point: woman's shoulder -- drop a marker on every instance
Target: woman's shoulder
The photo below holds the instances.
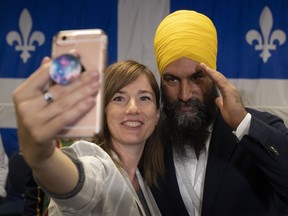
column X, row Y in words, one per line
column 84, row 148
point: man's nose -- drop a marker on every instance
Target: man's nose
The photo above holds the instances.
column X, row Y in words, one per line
column 185, row 92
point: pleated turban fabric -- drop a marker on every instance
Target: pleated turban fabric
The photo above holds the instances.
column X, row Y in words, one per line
column 185, row 33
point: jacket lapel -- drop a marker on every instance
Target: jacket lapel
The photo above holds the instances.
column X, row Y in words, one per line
column 221, row 148
column 168, row 196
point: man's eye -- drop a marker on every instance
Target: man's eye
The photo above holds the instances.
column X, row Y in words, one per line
column 171, row 80
column 197, row 77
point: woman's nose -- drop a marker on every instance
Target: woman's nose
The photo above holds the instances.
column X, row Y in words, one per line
column 132, row 107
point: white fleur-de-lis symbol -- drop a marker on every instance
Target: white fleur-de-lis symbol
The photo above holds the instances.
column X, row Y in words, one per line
column 266, row 41
column 25, row 40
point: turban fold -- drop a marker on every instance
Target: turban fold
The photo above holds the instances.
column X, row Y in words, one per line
column 187, row 34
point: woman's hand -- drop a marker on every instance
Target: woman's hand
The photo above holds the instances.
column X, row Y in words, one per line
column 38, row 120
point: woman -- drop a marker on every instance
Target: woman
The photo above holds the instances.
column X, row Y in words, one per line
column 85, row 179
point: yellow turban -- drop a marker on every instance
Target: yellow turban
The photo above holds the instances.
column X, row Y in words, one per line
column 187, row 34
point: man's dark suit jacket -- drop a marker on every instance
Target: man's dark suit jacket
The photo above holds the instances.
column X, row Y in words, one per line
column 242, row 178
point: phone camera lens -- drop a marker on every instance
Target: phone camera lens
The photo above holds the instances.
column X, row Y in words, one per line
column 64, row 37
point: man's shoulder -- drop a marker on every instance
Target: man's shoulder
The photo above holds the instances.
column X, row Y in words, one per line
column 261, row 114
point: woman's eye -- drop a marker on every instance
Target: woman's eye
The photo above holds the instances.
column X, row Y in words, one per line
column 118, row 98
column 145, row 98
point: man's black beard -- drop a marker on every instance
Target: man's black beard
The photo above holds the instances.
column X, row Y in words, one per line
column 189, row 129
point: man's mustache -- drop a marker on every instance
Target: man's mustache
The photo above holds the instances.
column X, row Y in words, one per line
column 193, row 102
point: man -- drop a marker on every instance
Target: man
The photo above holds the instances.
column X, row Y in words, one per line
column 221, row 159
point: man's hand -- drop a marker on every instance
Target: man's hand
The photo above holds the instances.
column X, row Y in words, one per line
column 230, row 104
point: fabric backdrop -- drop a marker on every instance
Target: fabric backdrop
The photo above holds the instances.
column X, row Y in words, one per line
column 252, row 43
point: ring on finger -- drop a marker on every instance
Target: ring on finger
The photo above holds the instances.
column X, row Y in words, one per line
column 48, row 97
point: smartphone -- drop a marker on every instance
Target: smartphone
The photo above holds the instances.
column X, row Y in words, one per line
column 91, row 45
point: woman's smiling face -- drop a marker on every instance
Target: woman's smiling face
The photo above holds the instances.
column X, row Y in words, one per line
column 132, row 113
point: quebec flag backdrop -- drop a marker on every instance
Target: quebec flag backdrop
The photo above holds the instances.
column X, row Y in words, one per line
column 252, row 43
